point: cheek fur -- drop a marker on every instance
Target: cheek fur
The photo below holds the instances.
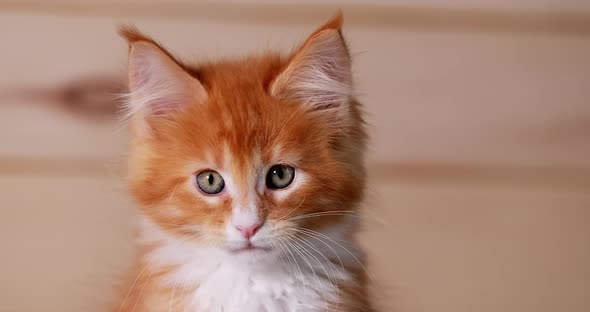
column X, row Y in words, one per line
column 177, row 206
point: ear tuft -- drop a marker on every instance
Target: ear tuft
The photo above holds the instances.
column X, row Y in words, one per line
column 319, row 73
column 334, row 23
column 132, row 34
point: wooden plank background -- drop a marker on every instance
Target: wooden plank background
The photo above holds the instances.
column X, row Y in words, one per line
column 479, row 161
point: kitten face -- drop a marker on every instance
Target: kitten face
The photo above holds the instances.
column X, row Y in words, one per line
column 242, row 155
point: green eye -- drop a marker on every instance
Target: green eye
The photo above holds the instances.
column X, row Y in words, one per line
column 279, row 176
column 210, row 182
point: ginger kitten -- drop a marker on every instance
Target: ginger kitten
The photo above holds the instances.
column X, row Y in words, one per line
column 246, row 173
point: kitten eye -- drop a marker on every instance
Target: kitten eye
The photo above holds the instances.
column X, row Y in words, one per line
column 210, row 182
column 279, row 176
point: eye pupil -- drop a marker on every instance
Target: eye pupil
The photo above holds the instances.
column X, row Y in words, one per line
column 280, row 176
column 210, row 182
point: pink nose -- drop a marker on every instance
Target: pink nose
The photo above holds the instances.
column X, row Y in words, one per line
column 248, row 231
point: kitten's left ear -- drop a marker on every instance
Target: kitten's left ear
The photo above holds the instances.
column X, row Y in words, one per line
column 319, row 73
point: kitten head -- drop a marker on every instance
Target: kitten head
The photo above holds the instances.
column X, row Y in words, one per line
column 241, row 154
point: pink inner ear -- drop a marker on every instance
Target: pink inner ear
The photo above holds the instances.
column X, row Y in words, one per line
column 137, row 79
column 158, row 84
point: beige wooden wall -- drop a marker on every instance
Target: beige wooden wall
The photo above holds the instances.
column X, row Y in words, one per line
column 480, row 155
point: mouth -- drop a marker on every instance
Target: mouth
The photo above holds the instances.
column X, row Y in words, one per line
column 250, row 248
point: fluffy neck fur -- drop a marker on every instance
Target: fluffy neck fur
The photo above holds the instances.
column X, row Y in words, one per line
column 202, row 278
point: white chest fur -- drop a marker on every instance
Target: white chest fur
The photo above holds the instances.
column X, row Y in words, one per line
column 208, row 279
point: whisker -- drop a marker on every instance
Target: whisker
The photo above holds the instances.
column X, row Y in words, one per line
column 298, row 249
column 304, row 241
column 312, row 232
column 174, row 190
column 133, row 286
column 327, row 245
column 141, row 291
column 331, row 280
column 290, row 247
column 295, row 263
column 325, row 213
column 286, row 259
column 290, row 212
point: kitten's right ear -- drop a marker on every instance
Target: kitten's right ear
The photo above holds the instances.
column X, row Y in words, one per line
column 319, row 74
column 158, row 84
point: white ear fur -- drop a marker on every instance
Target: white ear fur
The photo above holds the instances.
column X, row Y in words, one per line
column 319, row 74
column 157, row 84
